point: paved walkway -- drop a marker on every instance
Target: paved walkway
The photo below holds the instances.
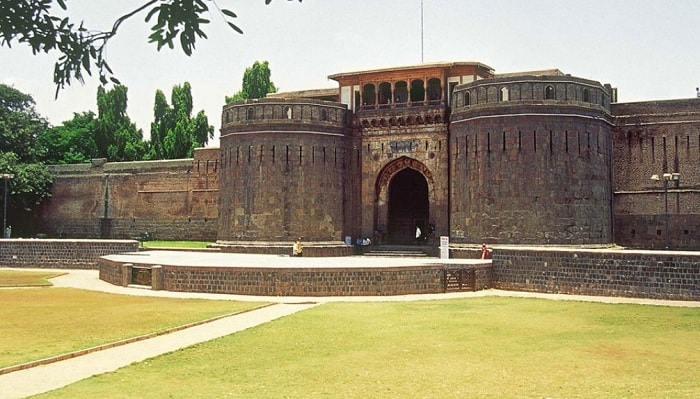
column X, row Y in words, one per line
column 32, row 381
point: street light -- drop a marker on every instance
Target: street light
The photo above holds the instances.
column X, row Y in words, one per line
column 6, row 177
column 666, row 177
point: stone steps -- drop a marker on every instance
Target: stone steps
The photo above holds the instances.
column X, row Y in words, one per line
column 396, row 252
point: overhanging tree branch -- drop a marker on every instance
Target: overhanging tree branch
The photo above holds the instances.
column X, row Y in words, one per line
column 33, row 23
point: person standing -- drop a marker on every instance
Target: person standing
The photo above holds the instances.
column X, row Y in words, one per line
column 484, row 251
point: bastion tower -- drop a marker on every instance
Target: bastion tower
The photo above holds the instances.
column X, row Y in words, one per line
column 531, row 160
column 284, row 170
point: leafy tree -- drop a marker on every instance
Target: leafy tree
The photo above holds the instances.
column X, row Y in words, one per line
column 174, row 133
column 162, row 113
column 71, row 142
column 20, row 126
column 256, row 83
column 34, row 23
column 116, row 137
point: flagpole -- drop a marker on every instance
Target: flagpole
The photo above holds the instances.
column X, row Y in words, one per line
column 421, row 31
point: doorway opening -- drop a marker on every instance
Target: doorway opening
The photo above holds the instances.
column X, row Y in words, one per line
column 408, row 208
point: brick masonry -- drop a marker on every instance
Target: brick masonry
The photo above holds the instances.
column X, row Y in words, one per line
column 603, row 272
column 298, row 281
column 524, row 158
column 531, row 170
column 171, row 200
column 277, row 248
column 60, row 254
column 626, row 273
column 652, row 138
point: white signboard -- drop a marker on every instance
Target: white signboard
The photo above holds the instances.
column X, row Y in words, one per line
column 444, row 247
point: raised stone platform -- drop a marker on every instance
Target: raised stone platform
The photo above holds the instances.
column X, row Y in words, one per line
column 311, row 249
column 276, row 275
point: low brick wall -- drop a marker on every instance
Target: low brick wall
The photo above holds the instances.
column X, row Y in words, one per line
column 465, row 253
column 297, row 281
column 60, row 254
column 625, row 273
column 313, row 250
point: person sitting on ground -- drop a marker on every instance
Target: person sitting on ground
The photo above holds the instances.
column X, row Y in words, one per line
column 297, row 248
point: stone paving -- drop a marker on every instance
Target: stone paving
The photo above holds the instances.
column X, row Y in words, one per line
column 35, row 380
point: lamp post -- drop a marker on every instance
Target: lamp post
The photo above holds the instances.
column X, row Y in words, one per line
column 5, row 177
column 666, row 177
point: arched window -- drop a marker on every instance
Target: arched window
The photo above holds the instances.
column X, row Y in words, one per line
column 549, row 92
column 586, row 95
column 324, row 114
column 417, row 91
column 385, row 93
column 401, row 92
column 504, row 94
column 250, row 113
column 467, row 99
column 369, row 95
column 434, row 89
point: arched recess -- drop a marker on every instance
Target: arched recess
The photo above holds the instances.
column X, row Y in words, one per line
column 384, row 93
column 417, row 91
column 405, row 190
column 434, row 90
column 369, row 95
column 401, row 92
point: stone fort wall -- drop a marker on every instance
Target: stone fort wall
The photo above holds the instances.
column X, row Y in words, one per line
column 524, row 168
column 653, row 138
column 172, row 200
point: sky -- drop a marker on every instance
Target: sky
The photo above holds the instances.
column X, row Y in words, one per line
column 648, row 49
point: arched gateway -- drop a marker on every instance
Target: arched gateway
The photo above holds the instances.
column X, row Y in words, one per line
column 403, row 200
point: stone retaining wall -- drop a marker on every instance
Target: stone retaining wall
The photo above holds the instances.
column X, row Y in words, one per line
column 310, row 250
column 297, row 281
column 60, row 254
column 624, row 273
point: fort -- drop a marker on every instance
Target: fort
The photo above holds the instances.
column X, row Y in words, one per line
column 453, row 149
column 574, row 190
column 546, row 167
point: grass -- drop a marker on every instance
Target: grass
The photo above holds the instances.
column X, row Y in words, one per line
column 20, row 278
column 44, row 322
column 480, row 347
column 175, row 244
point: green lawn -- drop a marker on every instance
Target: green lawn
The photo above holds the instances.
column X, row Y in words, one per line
column 21, row 278
column 43, row 322
column 480, row 347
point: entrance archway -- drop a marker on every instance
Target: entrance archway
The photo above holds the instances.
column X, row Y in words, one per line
column 408, row 206
column 405, row 197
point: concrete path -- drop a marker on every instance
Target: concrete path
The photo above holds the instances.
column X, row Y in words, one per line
column 40, row 379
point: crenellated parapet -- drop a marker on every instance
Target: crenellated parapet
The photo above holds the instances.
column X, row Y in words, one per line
column 284, row 114
column 532, row 93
